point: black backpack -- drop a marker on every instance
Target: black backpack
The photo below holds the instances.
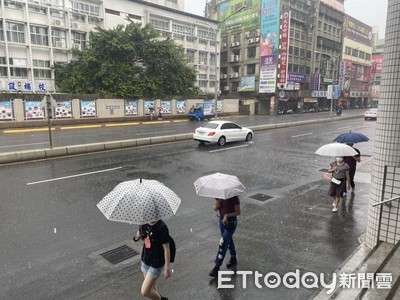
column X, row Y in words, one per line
column 172, row 245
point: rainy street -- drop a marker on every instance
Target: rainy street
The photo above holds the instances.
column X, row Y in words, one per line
column 52, row 233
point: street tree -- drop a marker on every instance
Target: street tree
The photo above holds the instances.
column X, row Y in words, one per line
column 128, row 61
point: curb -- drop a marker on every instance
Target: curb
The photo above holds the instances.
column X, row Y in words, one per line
column 37, row 154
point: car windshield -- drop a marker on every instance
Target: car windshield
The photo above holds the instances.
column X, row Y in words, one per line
column 210, row 125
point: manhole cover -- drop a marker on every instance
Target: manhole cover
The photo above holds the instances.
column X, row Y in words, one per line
column 119, row 254
column 261, row 197
column 323, row 170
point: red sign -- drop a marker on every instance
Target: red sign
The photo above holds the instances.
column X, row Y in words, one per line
column 376, row 64
column 284, row 48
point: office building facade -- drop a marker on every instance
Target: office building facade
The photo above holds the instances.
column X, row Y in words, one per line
column 35, row 34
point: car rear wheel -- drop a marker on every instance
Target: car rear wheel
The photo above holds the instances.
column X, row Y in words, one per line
column 249, row 137
column 221, row 141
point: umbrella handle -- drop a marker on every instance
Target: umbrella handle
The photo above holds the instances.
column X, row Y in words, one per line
column 135, row 239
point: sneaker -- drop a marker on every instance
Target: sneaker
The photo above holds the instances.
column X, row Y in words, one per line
column 344, row 194
column 232, row 262
column 353, row 190
column 334, row 209
column 214, row 272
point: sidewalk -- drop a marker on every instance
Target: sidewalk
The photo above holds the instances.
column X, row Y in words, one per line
column 319, row 242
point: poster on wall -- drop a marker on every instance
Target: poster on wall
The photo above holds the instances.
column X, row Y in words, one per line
column 63, row 109
column 208, row 108
column 166, row 106
column 32, row 110
column 247, row 83
column 269, row 45
column 247, row 18
column 219, row 105
column 149, row 107
column 180, row 106
column 88, row 108
column 6, row 110
column 131, row 107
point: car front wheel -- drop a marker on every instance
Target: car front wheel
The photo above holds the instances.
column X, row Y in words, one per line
column 249, row 137
column 221, row 141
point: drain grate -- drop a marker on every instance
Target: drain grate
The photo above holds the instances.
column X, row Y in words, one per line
column 323, row 170
column 119, row 254
column 261, row 197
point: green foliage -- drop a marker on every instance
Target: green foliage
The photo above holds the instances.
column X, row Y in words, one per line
column 129, row 62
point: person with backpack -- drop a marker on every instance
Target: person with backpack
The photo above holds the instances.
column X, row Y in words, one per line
column 158, row 252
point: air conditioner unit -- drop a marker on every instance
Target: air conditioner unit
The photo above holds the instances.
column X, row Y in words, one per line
column 251, row 41
column 247, row 35
column 236, row 58
column 257, row 34
column 226, row 88
column 233, row 57
column 76, row 46
column 231, row 75
column 256, row 40
column 57, row 22
column 59, row 44
column 224, row 76
column 237, row 43
column 75, row 25
column 235, row 75
column 233, row 44
column 239, row 89
column 224, row 45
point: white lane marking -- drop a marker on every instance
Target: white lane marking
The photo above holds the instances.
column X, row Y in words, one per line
column 144, row 133
column 72, row 176
column 21, row 145
column 344, row 127
column 226, row 149
column 300, row 135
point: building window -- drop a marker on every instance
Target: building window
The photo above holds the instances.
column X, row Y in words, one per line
column 203, row 82
column 85, row 8
column 251, row 69
column 15, row 32
column 159, row 23
column 3, row 71
column 19, row 72
column 203, row 58
column 211, row 83
column 39, row 36
column 13, row 4
column 212, row 59
column 112, row 12
column 56, row 13
column 58, row 38
column 251, row 52
column 37, row 9
column 1, row 31
column 79, row 40
column 42, row 73
column 41, row 63
column 190, row 54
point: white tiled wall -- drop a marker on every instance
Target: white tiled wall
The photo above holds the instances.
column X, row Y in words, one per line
column 387, row 140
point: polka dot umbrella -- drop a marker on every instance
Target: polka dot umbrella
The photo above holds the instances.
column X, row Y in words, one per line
column 139, row 202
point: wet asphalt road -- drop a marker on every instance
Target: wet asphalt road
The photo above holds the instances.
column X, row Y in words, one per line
column 30, row 138
column 52, row 232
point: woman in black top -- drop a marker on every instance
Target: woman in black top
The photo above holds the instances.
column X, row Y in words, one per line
column 155, row 256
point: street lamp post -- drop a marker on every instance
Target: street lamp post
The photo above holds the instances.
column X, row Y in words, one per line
column 335, row 79
column 216, row 81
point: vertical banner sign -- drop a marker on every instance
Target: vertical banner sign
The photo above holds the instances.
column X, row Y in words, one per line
column 270, row 19
column 284, row 48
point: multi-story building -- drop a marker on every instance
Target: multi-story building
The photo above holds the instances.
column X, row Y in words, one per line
column 177, row 4
column 35, row 34
column 355, row 76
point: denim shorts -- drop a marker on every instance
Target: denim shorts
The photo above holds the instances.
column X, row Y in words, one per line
column 152, row 272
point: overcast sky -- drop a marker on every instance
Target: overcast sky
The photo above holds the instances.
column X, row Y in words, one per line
column 370, row 12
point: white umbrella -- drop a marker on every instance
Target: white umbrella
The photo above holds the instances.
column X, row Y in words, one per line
column 139, row 202
column 219, row 185
column 336, row 149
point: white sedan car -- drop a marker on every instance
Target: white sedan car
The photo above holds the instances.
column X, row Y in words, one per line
column 222, row 132
column 371, row 114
